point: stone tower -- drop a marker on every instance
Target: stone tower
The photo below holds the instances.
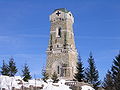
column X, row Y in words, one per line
column 61, row 52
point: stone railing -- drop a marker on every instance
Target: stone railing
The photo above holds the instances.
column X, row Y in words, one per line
column 74, row 85
column 71, row 83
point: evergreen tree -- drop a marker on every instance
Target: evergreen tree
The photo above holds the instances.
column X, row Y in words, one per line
column 79, row 76
column 108, row 82
column 26, row 73
column 91, row 73
column 4, row 69
column 55, row 78
column 116, row 72
column 12, row 67
column 45, row 75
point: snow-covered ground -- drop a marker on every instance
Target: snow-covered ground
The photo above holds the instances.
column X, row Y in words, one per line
column 85, row 87
column 17, row 82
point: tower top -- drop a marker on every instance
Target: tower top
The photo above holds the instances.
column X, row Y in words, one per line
column 61, row 14
column 62, row 9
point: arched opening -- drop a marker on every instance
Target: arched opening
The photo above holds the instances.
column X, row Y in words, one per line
column 58, row 32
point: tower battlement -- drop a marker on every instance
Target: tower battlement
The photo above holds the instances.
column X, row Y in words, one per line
column 61, row 15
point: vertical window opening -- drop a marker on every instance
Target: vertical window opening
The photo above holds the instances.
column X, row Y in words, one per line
column 65, row 72
column 58, row 32
column 58, row 69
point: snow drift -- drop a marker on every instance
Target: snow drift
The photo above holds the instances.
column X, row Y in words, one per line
column 8, row 83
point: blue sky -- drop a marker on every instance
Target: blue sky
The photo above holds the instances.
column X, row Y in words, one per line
column 25, row 26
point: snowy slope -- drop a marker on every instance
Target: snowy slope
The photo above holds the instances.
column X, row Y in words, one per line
column 85, row 87
column 9, row 82
column 56, row 86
